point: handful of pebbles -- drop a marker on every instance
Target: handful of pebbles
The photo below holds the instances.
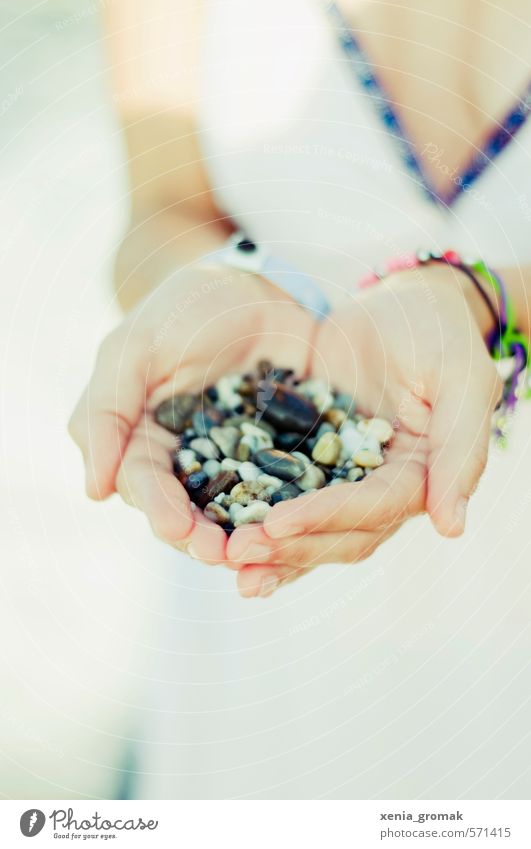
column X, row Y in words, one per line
column 255, row 439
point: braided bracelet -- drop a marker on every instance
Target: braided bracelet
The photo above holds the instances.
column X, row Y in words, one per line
column 503, row 342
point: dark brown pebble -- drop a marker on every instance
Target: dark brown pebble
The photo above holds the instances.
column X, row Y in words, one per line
column 286, row 409
column 176, row 413
column 223, row 482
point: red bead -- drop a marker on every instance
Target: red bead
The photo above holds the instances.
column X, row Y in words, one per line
column 452, row 257
column 368, row 280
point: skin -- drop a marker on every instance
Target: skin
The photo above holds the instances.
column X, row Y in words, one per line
column 410, row 335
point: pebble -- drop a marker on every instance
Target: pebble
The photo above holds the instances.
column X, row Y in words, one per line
column 221, row 483
column 205, row 447
column 195, row 485
column 335, row 417
column 234, row 510
column 255, row 437
column 186, row 459
column 323, row 428
column 313, row 478
column 287, row 409
column 327, row 449
column 217, row 513
column 248, row 471
column 254, row 440
column 255, row 512
column 230, row 465
column 367, row 459
column 380, row 429
column 355, row 474
column 205, row 419
column 176, row 413
column 248, row 491
column 270, row 482
column 286, row 492
column 305, row 460
column 211, row 468
column 352, row 440
column 227, row 439
column 226, row 388
column 289, row 441
column 279, row 463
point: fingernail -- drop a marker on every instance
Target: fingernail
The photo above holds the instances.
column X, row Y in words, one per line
column 460, row 511
column 286, row 531
column 268, row 585
column 190, row 551
column 255, row 553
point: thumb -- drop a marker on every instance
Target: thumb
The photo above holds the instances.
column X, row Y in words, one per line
column 459, row 435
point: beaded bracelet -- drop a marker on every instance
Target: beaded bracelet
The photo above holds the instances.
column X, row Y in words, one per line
column 503, row 342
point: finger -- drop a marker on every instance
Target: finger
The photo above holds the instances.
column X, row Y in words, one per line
column 145, row 480
column 459, row 440
column 391, row 494
column 108, row 410
column 207, row 541
column 304, row 551
column 262, row 581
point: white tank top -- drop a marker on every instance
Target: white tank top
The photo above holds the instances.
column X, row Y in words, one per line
column 299, row 156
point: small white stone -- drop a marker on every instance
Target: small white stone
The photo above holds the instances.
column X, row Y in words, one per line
column 255, row 437
column 230, row 465
column 188, row 460
column 367, row 459
column 379, row 428
column 226, row 388
column 211, row 468
column 205, row 447
column 352, row 440
column 222, row 499
column 313, row 478
column 248, row 471
column 234, row 510
column 355, row 474
column 255, row 512
column 270, row 481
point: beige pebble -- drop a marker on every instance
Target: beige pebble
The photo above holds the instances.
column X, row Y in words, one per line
column 216, row 513
column 327, row 449
column 379, row 428
column 367, row 459
column 248, row 491
column 254, row 512
column 313, row 478
column 335, row 417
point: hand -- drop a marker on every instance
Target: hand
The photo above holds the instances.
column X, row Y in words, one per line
column 196, row 327
column 409, row 350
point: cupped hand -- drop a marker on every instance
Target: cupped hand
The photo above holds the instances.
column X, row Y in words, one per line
column 200, row 324
column 409, row 350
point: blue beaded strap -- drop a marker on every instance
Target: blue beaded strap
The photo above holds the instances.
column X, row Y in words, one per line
column 496, row 142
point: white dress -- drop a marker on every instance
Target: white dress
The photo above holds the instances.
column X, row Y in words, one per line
column 407, row 676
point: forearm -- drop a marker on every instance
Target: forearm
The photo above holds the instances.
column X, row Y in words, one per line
column 157, row 244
